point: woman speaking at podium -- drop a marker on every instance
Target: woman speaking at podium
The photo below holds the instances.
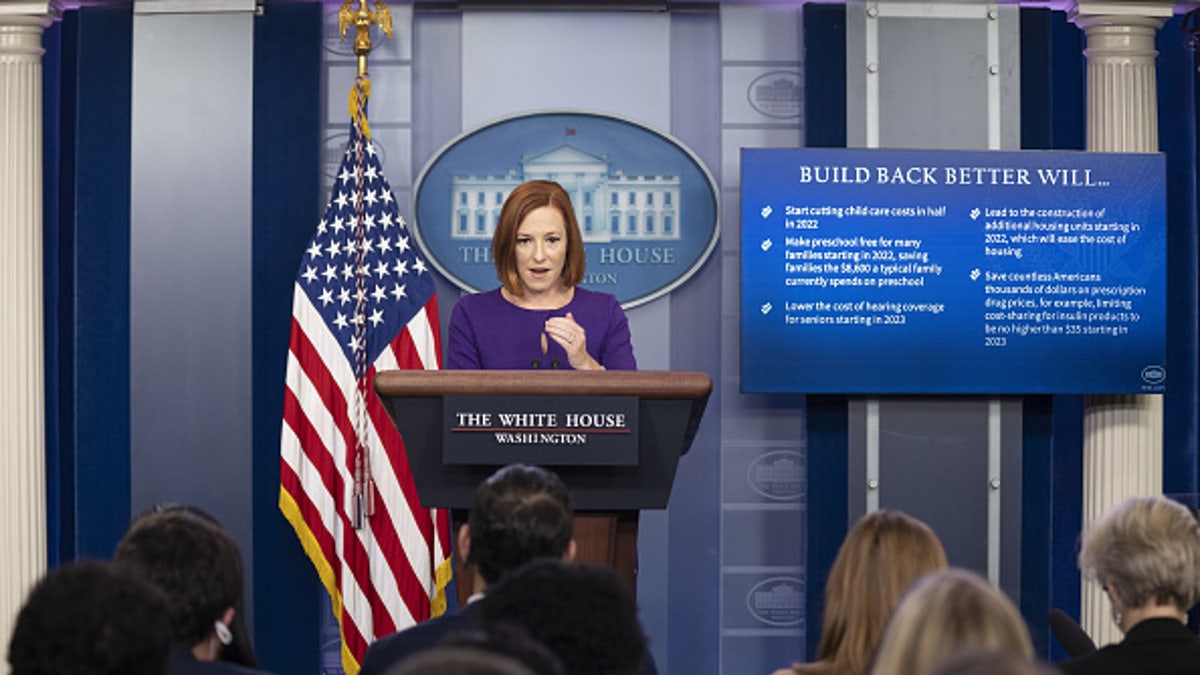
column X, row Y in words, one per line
column 539, row 317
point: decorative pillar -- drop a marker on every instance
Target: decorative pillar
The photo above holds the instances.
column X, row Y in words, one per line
column 1122, row 441
column 22, row 372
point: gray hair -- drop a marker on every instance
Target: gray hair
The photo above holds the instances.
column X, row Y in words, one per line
column 1145, row 548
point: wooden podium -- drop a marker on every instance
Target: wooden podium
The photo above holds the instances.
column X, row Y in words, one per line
column 608, row 491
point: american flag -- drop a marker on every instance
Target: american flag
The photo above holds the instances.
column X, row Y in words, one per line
column 363, row 302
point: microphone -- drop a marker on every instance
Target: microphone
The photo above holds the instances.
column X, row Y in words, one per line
column 1070, row 634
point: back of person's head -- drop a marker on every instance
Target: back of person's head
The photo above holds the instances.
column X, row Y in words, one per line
column 458, row 661
column 946, row 612
column 883, row 554
column 91, row 618
column 511, row 641
column 583, row 613
column 992, row 662
column 1144, row 550
column 195, row 563
column 240, row 649
column 520, row 513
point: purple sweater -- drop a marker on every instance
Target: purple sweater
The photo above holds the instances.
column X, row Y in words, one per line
column 488, row 332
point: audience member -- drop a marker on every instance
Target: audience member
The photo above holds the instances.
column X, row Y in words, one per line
column 199, row 568
column 1145, row 553
column 884, row 553
column 458, row 661
column 511, row 641
column 946, row 612
column 91, row 618
column 241, row 649
column 519, row 513
column 583, row 613
column 992, row 662
column 503, row 649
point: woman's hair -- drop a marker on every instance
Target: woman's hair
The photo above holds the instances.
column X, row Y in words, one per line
column 196, row 564
column 993, row 662
column 947, row 612
column 525, row 198
column 1145, row 549
column 884, row 553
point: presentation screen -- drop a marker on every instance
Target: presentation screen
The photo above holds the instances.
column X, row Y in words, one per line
column 930, row 271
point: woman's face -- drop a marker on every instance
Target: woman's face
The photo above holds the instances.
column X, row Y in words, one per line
column 541, row 250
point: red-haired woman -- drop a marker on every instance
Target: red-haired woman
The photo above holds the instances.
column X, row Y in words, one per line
column 539, row 317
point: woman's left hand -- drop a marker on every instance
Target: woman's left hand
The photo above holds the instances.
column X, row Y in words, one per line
column 573, row 339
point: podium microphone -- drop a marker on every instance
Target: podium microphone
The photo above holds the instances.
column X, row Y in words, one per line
column 1070, row 634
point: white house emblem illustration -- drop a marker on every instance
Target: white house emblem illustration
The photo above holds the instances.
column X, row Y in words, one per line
column 611, row 205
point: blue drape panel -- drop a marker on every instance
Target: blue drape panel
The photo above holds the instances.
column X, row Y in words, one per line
column 287, row 188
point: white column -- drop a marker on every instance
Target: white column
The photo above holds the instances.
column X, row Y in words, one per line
column 22, row 378
column 1122, row 438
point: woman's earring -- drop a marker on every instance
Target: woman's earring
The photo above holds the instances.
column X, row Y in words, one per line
column 223, row 633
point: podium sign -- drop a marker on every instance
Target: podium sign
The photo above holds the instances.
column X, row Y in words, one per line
column 661, row 410
column 544, row 430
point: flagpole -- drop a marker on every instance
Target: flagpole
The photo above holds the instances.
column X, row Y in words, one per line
column 362, row 20
column 345, row 324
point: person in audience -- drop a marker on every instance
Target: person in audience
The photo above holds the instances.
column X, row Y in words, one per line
column 884, row 553
column 947, row 612
column 459, row 661
column 584, row 613
column 199, row 568
column 501, row 649
column 991, row 662
column 1145, row 554
column 519, row 513
column 92, row 618
column 241, row 649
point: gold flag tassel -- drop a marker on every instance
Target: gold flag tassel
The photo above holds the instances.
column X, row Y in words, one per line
column 359, row 95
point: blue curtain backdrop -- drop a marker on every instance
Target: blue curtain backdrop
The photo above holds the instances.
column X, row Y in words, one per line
column 1177, row 124
column 86, row 259
column 287, row 189
column 826, row 417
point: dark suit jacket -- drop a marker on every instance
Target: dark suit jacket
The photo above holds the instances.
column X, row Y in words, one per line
column 182, row 663
column 1152, row 647
column 388, row 651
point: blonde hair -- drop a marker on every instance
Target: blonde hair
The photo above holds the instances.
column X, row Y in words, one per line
column 883, row 554
column 947, row 612
column 1143, row 549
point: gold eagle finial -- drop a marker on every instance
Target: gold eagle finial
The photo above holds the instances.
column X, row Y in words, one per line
column 362, row 19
